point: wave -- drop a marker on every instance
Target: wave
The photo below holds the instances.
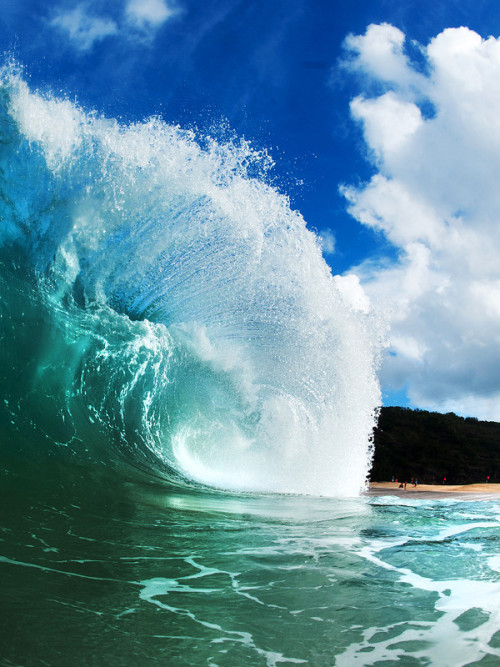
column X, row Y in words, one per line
column 163, row 304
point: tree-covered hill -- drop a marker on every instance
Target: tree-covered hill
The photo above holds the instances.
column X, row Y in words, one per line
column 432, row 447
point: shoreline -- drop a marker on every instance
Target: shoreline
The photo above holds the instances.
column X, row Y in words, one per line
column 476, row 491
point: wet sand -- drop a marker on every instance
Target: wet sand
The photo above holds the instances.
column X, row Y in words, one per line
column 471, row 491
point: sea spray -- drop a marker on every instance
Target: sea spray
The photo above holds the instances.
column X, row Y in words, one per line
column 193, row 322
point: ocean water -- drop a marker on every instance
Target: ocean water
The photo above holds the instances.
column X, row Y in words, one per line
column 135, row 573
column 187, row 401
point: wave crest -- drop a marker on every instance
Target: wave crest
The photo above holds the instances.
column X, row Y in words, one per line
column 217, row 341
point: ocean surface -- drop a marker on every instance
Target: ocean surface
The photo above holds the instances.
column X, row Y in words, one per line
column 187, row 401
column 96, row 572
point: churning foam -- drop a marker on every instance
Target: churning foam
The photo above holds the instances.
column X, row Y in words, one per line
column 264, row 378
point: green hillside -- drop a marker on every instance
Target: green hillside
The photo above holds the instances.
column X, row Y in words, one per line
column 430, row 446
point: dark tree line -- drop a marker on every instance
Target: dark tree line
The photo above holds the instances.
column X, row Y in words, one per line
column 433, row 447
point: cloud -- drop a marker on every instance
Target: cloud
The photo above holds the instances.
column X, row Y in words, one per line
column 379, row 53
column 434, row 140
column 140, row 20
column 83, row 29
column 389, row 122
column 327, row 241
column 146, row 14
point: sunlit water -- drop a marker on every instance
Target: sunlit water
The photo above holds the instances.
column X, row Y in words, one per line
column 168, row 327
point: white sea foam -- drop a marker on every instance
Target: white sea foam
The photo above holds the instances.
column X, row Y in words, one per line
column 469, row 613
column 269, row 379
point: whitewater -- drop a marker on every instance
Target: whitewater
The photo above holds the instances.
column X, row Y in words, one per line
column 202, row 325
column 187, row 402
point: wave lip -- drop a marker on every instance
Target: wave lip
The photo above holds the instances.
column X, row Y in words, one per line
column 207, row 331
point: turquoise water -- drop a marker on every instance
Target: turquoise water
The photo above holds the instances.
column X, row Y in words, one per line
column 187, row 402
column 135, row 574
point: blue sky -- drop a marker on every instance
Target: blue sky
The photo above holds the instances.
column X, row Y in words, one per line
column 384, row 138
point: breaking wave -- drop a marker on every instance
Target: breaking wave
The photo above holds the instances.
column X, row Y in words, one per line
column 162, row 304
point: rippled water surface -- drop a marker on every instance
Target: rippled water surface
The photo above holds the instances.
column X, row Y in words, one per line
column 140, row 574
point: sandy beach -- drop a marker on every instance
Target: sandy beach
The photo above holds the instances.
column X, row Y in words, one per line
column 429, row 490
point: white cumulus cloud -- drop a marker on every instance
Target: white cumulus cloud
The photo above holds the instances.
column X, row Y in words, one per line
column 380, row 54
column 434, row 140
column 389, row 122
